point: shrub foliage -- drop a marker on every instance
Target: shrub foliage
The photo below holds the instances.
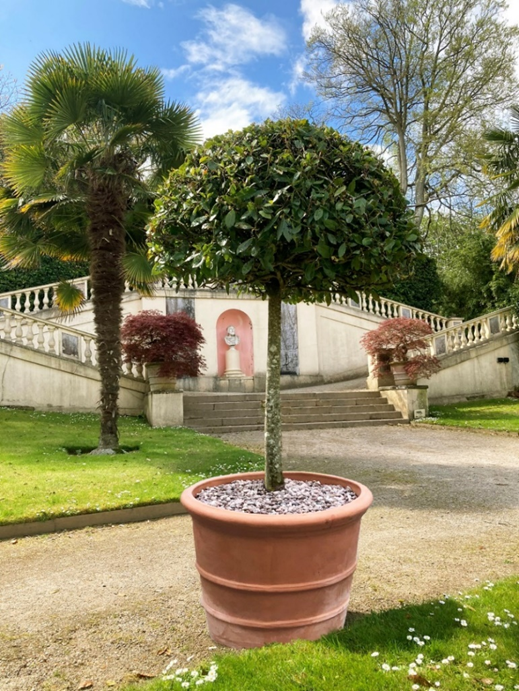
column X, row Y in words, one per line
column 402, row 340
column 173, row 340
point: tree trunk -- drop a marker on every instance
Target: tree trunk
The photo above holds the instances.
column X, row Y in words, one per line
column 420, row 194
column 105, row 208
column 402, row 161
column 273, row 439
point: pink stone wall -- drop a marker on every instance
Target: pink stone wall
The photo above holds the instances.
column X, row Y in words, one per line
column 243, row 326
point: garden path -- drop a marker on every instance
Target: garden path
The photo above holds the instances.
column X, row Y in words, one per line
column 101, row 604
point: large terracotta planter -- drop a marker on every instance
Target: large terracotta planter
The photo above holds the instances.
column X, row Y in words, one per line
column 270, row 578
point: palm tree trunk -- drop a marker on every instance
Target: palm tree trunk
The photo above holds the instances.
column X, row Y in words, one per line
column 273, row 437
column 105, row 208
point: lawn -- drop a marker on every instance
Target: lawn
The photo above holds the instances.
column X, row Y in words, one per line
column 498, row 414
column 43, row 473
column 460, row 643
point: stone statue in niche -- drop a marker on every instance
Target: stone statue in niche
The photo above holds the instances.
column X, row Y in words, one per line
column 231, row 338
column 232, row 356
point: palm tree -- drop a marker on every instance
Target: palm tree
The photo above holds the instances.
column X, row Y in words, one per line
column 82, row 152
column 502, row 165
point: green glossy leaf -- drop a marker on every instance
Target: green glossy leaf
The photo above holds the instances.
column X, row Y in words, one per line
column 230, row 218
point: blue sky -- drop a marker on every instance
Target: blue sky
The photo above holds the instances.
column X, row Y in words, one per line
column 232, row 62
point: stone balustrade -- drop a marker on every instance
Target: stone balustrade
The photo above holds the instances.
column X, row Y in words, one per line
column 390, row 309
column 48, row 337
column 39, row 298
column 471, row 333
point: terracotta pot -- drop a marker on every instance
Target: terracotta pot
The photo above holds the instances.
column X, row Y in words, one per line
column 270, row 578
column 156, row 383
column 400, row 375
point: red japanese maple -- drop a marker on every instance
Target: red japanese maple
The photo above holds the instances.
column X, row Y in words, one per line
column 173, row 340
column 403, row 341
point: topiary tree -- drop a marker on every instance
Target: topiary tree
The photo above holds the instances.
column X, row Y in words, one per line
column 288, row 211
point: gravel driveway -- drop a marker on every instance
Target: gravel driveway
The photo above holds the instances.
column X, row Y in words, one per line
column 106, row 605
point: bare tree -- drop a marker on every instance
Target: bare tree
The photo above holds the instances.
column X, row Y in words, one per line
column 8, row 90
column 419, row 79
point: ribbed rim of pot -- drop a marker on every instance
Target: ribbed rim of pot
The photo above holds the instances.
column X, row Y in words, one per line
column 342, row 513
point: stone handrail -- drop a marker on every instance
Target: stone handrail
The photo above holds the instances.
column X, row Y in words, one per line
column 39, row 298
column 55, row 339
column 473, row 332
column 390, row 309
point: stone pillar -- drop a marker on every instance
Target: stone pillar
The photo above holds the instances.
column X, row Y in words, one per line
column 408, row 399
column 164, row 408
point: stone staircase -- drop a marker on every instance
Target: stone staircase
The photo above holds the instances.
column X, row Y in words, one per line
column 220, row 413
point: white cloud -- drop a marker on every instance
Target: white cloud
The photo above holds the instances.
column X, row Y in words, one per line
column 298, row 70
column 173, row 72
column 313, row 12
column 233, row 36
column 233, row 103
column 139, row 3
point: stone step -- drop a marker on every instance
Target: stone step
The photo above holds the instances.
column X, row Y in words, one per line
column 200, row 408
column 203, row 408
column 337, row 417
column 287, row 411
column 202, row 423
column 221, row 397
column 329, row 395
column 197, row 398
column 302, row 426
column 357, row 423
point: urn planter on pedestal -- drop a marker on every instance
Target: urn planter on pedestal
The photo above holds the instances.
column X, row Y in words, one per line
column 400, row 376
column 157, row 383
column 275, row 578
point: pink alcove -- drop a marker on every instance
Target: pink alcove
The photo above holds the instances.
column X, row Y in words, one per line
column 243, row 326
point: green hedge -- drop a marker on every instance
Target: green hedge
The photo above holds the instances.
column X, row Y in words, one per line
column 422, row 289
column 50, row 270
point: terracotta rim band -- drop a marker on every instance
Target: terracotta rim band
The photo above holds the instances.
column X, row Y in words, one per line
column 290, row 624
column 313, row 585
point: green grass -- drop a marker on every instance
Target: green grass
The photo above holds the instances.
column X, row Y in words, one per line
column 345, row 661
column 40, row 480
column 499, row 414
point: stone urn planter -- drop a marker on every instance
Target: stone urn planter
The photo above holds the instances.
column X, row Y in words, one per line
column 275, row 578
column 400, row 375
column 156, row 383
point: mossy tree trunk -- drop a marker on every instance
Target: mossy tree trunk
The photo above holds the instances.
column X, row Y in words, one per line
column 106, row 208
column 273, row 437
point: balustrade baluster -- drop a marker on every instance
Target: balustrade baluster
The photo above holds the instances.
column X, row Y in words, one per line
column 18, row 303
column 363, row 302
column 52, row 340
column 46, row 298
column 139, row 370
column 40, row 341
column 27, row 303
column 88, row 350
column 8, row 327
column 18, row 334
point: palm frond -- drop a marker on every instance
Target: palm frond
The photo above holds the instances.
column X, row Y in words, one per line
column 140, row 272
column 69, row 299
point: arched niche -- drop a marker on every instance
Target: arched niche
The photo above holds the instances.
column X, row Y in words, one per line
column 243, row 326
